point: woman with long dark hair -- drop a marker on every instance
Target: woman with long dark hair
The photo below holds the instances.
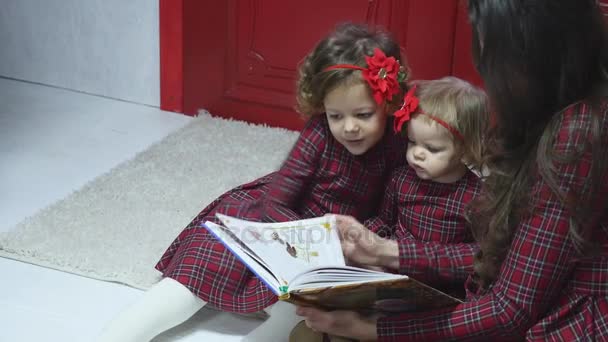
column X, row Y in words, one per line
column 542, row 220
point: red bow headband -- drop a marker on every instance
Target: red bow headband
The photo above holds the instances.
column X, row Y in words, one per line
column 383, row 74
column 410, row 106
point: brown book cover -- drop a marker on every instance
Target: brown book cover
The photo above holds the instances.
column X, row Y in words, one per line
column 383, row 296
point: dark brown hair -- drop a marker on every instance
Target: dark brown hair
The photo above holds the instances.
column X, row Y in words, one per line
column 536, row 58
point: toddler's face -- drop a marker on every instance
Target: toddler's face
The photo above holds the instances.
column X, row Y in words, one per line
column 432, row 152
column 354, row 118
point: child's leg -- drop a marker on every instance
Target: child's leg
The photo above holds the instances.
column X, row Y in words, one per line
column 213, row 273
column 164, row 306
column 277, row 327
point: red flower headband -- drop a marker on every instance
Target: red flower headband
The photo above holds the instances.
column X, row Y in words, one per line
column 383, row 74
column 410, row 106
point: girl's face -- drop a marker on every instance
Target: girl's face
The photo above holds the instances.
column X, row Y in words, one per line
column 354, row 118
column 432, row 153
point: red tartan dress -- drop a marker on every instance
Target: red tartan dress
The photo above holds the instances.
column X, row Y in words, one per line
column 435, row 243
column 319, row 176
column 545, row 290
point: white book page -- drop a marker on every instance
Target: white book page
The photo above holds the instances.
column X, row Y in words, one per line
column 291, row 248
column 247, row 256
column 330, row 276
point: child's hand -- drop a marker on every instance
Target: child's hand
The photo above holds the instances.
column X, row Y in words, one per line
column 363, row 247
column 376, row 268
column 368, row 267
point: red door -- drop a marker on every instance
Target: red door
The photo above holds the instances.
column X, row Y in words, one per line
column 238, row 58
column 462, row 65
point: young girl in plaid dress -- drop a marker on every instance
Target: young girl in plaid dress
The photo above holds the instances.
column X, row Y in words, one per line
column 541, row 219
column 425, row 201
column 347, row 87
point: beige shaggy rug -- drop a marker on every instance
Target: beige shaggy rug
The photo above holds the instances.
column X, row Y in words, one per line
column 116, row 227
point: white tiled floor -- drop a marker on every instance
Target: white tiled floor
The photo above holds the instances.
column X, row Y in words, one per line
column 53, row 141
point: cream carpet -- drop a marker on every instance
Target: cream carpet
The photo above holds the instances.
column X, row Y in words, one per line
column 116, row 227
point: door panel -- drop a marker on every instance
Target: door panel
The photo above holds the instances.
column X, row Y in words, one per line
column 240, row 56
column 268, row 39
column 429, row 37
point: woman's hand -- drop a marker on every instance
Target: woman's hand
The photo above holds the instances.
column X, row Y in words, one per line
column 363, row 247
column 341, row 323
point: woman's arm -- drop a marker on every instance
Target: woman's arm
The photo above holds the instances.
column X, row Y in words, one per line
column 364, row 247
column 430, row 262
column 436, row 262
column 535, row 271
column 532, row 275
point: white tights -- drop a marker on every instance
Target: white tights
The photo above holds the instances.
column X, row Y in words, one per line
column 169, row 303
column 162, row 307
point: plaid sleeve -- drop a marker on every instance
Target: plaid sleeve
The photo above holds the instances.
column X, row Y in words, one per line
column 436, row 262
column 398, row 148
column 295, row 174
column 537, row 266
column 384, row 223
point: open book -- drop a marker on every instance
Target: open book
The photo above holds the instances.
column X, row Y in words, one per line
column 302, row 262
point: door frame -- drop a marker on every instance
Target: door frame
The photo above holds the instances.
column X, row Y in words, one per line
column 171, row 33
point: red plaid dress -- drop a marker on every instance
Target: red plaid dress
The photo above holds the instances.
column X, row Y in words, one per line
column 545, row 290
column 319, row 176
column 436, row 244
column 603, row 4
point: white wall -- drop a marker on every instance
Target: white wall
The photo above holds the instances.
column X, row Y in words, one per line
column 103, row 47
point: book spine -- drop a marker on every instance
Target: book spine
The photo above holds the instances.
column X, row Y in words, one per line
column 272, row 287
